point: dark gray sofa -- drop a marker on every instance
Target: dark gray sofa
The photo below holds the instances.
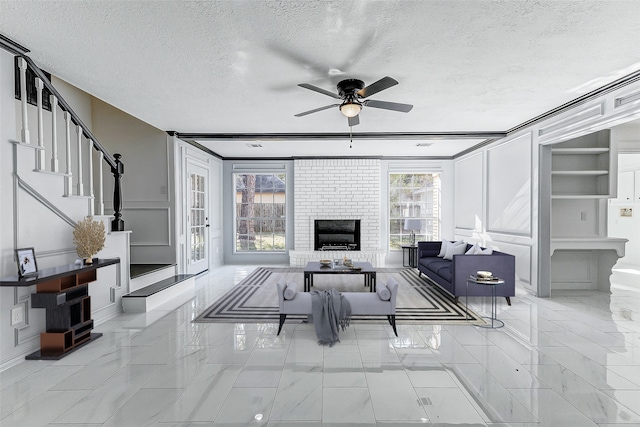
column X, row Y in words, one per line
column 452, row 275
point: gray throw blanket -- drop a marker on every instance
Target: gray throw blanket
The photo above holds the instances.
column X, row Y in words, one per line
column 330, row 311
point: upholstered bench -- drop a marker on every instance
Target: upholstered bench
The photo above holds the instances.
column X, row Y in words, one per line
column 379, row 303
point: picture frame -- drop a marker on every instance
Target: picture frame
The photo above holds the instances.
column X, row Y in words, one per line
column 27, row 265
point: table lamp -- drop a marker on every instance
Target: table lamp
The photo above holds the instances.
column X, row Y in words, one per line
column 413, row 224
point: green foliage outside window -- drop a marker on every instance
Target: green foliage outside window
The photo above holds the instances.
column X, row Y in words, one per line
column 260, row 212
column 413, row 196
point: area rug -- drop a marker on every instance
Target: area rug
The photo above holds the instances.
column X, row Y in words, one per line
column 255, row 300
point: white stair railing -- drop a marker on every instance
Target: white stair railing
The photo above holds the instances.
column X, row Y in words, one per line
column 22, row 65
column 79, row 150
column 91, row 198
column 40, row 155
column 26, row 69
column 54, row 134
column 68, row 185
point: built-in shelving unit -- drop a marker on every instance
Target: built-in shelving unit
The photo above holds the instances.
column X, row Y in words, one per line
column 64, row 293
column 580, row 167
column 583, row 176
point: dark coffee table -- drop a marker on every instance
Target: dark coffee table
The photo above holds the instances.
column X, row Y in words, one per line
column 363, row 268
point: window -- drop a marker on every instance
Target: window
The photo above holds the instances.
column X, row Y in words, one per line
column 260, row 212
column 198, row 218
column 413, row 196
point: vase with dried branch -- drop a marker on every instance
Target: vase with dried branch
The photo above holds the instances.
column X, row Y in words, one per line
column 89, row 236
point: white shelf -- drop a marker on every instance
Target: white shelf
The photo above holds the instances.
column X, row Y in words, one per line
column 597, row 150
column 588, row 243
column 582, row 172
column 580, row 196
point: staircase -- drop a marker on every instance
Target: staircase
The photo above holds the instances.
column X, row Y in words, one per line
column 60, row 164
column 76, row 154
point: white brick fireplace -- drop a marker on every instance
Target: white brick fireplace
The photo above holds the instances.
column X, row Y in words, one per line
column 337, row 189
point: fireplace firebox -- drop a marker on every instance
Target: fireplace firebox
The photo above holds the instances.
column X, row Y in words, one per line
column 337, row 235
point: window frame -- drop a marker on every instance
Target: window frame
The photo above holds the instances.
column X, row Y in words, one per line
column 392, row 237
column 282, row 175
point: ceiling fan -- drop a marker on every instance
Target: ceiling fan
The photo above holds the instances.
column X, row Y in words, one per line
column 352, row 92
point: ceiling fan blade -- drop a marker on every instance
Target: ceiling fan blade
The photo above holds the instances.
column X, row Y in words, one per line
column 354, row 120
column 382, row 84
column 385, row 105
column 316, row 110
column 319, row 90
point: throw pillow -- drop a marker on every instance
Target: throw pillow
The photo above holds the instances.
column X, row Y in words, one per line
column 443, row 248
column 487, row 251
column 383, row 292
column 473, row 249
column 290, row 291
column 446, row 244
column 455, row 250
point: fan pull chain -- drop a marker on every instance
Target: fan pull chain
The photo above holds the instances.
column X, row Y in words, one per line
column 350, row 136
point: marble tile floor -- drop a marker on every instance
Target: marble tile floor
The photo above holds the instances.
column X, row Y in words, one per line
column 571, row 360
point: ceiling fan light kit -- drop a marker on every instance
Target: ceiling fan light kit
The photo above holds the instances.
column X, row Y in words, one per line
column 351, row 91
column 350, row 109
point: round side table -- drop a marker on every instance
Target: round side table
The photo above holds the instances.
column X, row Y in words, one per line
column 496, row 281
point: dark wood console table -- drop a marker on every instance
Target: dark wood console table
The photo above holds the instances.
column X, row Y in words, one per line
column 64, row 293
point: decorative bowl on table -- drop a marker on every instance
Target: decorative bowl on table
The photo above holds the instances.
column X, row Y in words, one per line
column 484, row 275
column 326, row 262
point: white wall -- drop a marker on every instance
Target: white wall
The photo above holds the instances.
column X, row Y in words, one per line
column 147, row 182
column 337, row 189
column 494, row 201
column 622, row 226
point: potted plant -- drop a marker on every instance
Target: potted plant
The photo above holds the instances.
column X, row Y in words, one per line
column 89, row 236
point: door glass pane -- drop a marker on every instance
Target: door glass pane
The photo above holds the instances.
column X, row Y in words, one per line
column 197, row 217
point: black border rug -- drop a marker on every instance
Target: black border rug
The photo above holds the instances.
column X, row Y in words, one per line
column 254, row 299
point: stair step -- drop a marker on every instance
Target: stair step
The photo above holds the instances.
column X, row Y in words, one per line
column 158, row 286
column 145, row 277
column 156, row 294
column 139, row 270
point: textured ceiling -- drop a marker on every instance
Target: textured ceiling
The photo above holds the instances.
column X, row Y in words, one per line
column 233, row 66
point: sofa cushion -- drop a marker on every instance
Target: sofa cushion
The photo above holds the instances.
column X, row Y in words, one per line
column 486, row 251
column 455, row 250
column 436, row 266
column 424, row 262
column 445, row 273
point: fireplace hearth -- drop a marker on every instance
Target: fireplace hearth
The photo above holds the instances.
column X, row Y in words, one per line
column 336, row 235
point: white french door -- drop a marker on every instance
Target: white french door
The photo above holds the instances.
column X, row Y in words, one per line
column 197, row 215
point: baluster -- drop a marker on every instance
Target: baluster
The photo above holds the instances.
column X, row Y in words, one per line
column 91, row 200
column 40, row 153
column 80, row 183
column 54, row 133
column 117, row 224
column 22, row 64
column 100, row 184
column 68, row 178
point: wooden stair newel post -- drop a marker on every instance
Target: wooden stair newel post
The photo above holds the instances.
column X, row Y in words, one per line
column 117, row 224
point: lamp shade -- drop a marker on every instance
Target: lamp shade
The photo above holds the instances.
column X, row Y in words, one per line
column 350, row 109
column 412, row 224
